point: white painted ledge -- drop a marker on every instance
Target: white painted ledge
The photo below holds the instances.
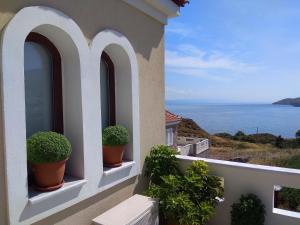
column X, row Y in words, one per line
column 36, row 197
column 126, row 164
column 115, row 176
column 241, row 165
column 286, row 213
column 136, row 210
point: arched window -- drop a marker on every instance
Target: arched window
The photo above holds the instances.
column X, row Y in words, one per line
column 43, row 85
column 107, row 87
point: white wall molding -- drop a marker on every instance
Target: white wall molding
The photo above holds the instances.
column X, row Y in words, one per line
column 80, row 73
column 160, row 10
column 119, row 49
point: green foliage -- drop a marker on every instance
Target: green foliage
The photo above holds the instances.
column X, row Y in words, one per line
column 200, row 186
column 291, row 196
column 261, row 138
column 240, row 134
column 224, row 135
column 188, row 198
column 249, row 211
column 297, row 134
column 115, row 136
column 264, row 138
column 279, row 142
column 293, row 162
column 47, row 147
column 291, row 143
column 161, row 162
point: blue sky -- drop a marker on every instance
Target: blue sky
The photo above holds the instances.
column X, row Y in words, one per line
column 234, row 51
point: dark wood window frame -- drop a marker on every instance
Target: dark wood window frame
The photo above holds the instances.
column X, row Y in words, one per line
column 56, row 79
column 111, row 85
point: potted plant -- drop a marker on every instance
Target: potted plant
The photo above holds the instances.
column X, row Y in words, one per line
column 114, row 139
column 249, row 210
column 187, row 198
column 47, row 153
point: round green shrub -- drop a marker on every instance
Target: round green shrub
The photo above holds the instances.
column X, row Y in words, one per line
column 115, row 136
column 47, row 147
column 249, row 211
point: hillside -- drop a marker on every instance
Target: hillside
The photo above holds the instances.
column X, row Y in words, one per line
column 254, row 148
column 289, row 101
column 189, row 128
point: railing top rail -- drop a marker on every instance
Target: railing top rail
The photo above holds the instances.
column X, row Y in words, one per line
column 271, row 169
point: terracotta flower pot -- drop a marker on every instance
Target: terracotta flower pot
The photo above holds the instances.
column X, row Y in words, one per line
column 113, row 155
column 49, row 176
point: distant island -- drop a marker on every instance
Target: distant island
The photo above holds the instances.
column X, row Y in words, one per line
column 288, row 101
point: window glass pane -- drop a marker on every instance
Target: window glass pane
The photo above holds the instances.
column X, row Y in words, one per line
column 169, row 137
column 38, row 88
column 104, row 88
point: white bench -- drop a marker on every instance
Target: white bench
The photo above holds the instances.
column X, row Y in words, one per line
column 137, row 210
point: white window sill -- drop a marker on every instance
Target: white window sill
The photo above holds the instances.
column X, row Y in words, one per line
column 71, row 183
column 288, row 213
column 114, row 176
column 126, row 164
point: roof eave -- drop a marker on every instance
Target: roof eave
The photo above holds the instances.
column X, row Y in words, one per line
column 168, row 7
column 172, row 123
column 160, row 10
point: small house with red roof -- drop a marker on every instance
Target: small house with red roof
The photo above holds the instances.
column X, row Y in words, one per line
column 172, row 122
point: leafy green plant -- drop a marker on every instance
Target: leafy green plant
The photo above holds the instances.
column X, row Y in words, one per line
column 47, row 147
column 189, row 198
column 161, row 162
column 115, row 136
column 249, row 211
column 290, row 196
column 201, row 186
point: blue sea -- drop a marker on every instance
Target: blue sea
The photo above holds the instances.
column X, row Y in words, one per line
column 249, row 118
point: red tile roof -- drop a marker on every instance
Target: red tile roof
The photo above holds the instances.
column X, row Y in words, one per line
column 180, row 3
column 171, row 118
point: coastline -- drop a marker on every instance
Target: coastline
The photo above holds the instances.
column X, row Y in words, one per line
column 276, row 119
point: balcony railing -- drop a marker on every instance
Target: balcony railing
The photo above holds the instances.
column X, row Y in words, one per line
column 193, row 146
column 241, row 178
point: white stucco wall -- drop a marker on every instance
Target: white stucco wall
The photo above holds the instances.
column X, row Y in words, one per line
column 82, row 111
column 92, row 17
column 240, row 178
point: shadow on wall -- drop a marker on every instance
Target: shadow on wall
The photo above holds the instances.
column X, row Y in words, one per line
column 92, row 207
column 93, row 19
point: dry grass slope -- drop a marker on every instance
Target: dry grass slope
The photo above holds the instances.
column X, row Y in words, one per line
column 227, row 149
